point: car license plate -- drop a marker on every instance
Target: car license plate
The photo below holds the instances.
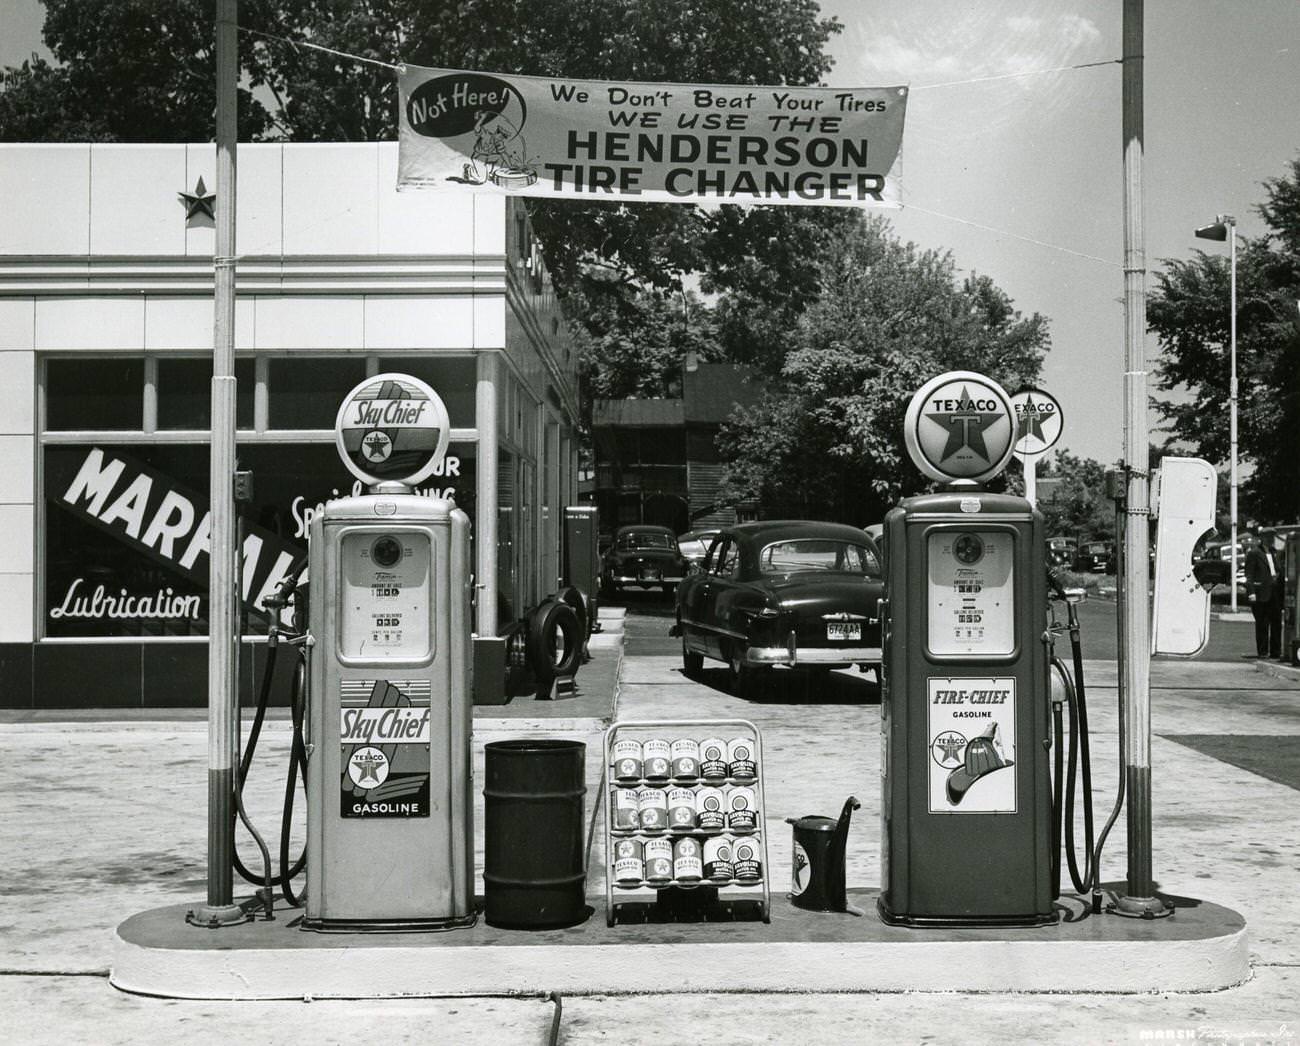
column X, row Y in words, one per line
column 843, row 630
column 651, row 575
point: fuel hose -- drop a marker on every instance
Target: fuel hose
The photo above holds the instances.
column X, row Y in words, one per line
column 297, row 756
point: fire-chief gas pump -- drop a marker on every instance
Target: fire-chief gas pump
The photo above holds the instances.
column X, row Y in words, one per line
column 965, row 732
column 389, row 791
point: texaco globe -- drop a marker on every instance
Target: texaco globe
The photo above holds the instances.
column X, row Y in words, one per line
column 960, row 426
column 392, row 427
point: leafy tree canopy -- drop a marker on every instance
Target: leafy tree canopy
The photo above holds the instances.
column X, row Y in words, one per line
column 827, row 442
column 1188, row 311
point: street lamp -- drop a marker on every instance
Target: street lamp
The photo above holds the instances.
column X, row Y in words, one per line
column 1225, row 228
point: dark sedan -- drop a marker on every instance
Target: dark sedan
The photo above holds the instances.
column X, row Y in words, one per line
column 644, row 555
column 1095, row 557
column 797, row 594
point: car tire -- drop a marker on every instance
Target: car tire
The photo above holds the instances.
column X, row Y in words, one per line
column 692, row 661
column 554, row 642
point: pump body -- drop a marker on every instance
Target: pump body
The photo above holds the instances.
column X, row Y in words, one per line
column 965, row 726
column 389, row 784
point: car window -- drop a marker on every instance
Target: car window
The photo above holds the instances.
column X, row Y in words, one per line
column 724, row 558
column 641, row 539
column 786, row 557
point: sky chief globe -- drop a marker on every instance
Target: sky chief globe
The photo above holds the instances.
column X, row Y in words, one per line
column 392, row 427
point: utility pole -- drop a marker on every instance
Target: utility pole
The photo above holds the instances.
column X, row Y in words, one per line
column 1140, row 901
column 223, row 576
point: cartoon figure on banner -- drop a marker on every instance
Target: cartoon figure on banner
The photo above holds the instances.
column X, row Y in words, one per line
column 492, row 159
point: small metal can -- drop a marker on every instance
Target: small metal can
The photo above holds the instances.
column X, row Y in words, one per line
column 713, row 759
column 652, row 804
column 627, row 806
column 629, row 867
column 742, row 810
column 741, row 765
column 687, row 866
column 658, row 860
column 748, row 860
column 656, row 759
column 681, row 809
column 711, row 809
column 685, row 753
column 717, row 860
column 627, row 760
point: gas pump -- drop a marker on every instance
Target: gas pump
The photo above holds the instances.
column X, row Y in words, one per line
column 965, row 731
column 389, row 789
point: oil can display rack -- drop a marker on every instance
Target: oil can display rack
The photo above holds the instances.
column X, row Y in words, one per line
column 755, row 891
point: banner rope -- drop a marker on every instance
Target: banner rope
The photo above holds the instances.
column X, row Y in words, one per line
column 1015, row 236
column 1027, row 72
column 319, row 47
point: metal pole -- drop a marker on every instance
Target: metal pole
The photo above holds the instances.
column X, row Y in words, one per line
column 1030, row 464
column 485, row 502
column 1136, row 648
column 222, row 575
column 1231, row 228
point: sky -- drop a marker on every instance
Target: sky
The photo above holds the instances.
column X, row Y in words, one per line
column 1021, row 177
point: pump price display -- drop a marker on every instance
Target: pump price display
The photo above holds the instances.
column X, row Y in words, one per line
column 386, row 597
column 970, row 593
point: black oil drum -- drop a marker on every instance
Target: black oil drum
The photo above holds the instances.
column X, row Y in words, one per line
column 534, row 869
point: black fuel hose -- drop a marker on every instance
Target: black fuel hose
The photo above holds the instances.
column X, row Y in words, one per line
column 1058, row 786
column 297, row 765
column 267, row 880
column 1080, row 749
column 1120, row 628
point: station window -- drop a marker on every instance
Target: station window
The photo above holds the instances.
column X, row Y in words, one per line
column 94, row 393
column 305, row 392
column 185, row 392
column 454, row 378
column 123, row 552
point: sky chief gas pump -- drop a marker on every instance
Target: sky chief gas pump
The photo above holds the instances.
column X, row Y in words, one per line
column 965, row 723
column 389, row 791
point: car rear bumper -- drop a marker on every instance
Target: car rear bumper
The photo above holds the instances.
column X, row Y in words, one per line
column 825, row 657
column 637, row 579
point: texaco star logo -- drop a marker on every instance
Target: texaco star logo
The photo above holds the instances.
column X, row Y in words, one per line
column 965, row 425
column 1038, row 422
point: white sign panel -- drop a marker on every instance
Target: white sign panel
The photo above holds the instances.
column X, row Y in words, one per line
column 970, row 590
column 972, row 745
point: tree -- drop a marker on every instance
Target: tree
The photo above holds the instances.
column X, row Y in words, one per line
column 1188, row 311
column 1078, row 506
column 828, row 439
column 129, row 71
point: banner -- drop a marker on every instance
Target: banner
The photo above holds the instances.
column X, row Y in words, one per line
column 674, row 143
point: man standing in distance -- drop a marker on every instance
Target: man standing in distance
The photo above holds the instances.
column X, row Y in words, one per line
column 1264, row 591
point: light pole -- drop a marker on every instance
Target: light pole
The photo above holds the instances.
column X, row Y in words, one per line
column 1225, row 228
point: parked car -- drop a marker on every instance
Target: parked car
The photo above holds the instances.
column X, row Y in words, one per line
column 694, row 546
column 1213, row 562
column 1061, row 551
column 1095, row 557
column 643, row 554
column 798, row 594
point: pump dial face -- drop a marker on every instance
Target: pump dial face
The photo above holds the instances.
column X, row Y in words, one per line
column 968, row 549
column 386, row 551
